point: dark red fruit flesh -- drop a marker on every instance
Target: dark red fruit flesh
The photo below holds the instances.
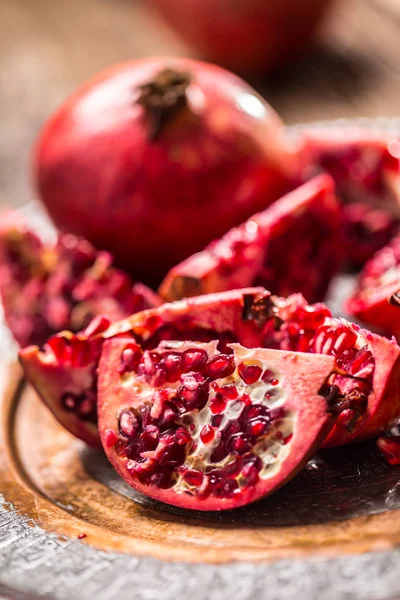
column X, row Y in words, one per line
column 376, row 300
column 366, row 168
column 67, row 364
column 45, row 289
column 292, row 246
column 205, row 439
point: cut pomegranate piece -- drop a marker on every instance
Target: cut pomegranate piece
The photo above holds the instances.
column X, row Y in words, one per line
column 204, row 438
column 366, row 168
column 292, row 246
column 376, row 300
column 253, row 318
column 45, row 289
column 64, row 372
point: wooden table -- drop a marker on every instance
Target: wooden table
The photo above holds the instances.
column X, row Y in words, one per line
column 48, row 47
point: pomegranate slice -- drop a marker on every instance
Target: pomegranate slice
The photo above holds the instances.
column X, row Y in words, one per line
column 292, row 246
column 376, row 300
column 45, row 289
column 200, row 429
column 366, row 169
column 64, row 372
column 251, row 317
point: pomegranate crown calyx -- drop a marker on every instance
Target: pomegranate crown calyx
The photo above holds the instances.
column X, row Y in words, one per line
column 163, row 98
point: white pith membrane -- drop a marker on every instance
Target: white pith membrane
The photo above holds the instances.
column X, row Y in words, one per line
column 272, row 447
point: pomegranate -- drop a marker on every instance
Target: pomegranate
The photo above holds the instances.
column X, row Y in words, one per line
column 292, row 246
column 245, row 35
column 376, row 300
column 368, row 366
column 153, row 159
column 45, row 289
column 64, row 373
column 366, row 169
column 200, row 429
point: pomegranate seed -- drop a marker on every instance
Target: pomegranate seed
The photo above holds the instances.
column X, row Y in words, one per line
column 193, row 360
column 81, row 536
column 287, row 439
column 207, row 434
column 390, row 448
column 70, row 401
column 226, row 489
column 127, row 423
column 182, row 437
column 257, row 427
column 171, row 363
column 217, row 420
column 217, row 404
column 110, row 438
column 150, row 435
column 249, row 373
column 240, row 444
column 221, row 365
column 194, row 478
column 228, row 391
column 130, row 358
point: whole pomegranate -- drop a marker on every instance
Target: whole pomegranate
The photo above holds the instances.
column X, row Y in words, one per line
column 245, row 35
column 153, row 159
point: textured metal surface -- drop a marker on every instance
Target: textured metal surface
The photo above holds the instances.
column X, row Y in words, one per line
column 35, row 563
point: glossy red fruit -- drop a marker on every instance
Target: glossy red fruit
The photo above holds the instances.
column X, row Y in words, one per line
column 366, row 168
column 245, row 35
column 64, row 373
column 292, row 246
column 376, row 300
column 153, row 159
column 183, row 436
column 47, row 288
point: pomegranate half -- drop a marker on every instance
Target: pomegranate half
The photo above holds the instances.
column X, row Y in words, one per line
column 292, row 246
column 200, row 429
column 154, row 159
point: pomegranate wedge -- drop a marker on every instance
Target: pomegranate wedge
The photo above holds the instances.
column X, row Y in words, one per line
column 47, row 288
column 64, row 372
column 292, row 246
column 366, row 168
column 205, row 430
column 376, row 300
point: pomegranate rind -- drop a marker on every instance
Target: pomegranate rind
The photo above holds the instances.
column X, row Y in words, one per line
column 303, row 377
column 241, row 256
column 383, row 401
column 52, row 377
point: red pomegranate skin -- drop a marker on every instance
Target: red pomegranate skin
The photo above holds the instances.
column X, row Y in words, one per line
column 153, row 202
column 245, row 35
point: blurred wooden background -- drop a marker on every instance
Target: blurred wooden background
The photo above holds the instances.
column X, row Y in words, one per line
column 48, row 47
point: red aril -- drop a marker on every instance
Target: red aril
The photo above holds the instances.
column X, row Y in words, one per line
column 292, row 246
column 153, row 159
column 162, row 433
column 376, row 300
column 47, row 288
column 245, row 35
